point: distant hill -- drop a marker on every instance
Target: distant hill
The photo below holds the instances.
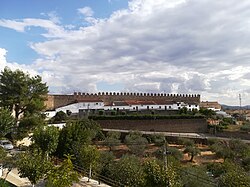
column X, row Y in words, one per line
column 228, row 107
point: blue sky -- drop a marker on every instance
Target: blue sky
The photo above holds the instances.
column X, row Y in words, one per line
column 66, row 12
column 171, row 46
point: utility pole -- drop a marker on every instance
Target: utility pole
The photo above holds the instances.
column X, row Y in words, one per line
column 165, row 156
column 241, row 116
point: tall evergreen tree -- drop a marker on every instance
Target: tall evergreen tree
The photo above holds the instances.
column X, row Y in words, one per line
column 21, row 92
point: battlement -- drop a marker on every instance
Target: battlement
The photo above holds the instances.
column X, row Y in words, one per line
column 55, row 101
column 82, row 94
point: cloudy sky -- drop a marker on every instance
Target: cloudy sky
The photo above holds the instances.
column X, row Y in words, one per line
column 172, row 46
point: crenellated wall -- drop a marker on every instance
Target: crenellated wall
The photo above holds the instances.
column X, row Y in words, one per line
column 55, row 101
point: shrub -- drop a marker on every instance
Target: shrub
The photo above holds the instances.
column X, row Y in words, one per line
column 245, row 128
column 113, row 112
column 101, row 112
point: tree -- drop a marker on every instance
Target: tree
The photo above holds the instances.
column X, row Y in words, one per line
column 236, row 177
column 112, row 139
column 3, row 155
column 155, row 173
column 59, row 117
column 136, row 143
column 128, row 171
column 105, row 161
column 7, row 122
column 62, row 175
column 74, row 134
column 195, row 176
column 208, row 113
column 46, row 138
column 8, row 163
column 157, row 139
column 186, row 142
column 192, row 151
column 33, row 166
column 28, row 124
column 21, row 93
column 233, row 149
column 175, row 153
column 87, row 157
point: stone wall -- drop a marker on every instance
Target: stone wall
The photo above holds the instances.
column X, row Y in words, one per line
column 55, row 101
column 163, row 125
column 233, row 135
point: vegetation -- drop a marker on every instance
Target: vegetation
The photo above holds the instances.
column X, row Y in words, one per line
column 22, row 93
column 74, row 135
column 33, row 165
column 59, row 117
column 94, row 154
column 62, row 175
column 46, row 139
column 245, row 127
column 112, row 139
column 7, row 122
column 128, row 171
column 136, row 143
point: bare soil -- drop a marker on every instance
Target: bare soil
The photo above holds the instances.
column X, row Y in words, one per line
column 206, row 155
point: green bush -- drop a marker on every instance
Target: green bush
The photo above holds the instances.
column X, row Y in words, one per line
column 101, row 112
column 113, row 113
column 245, row 128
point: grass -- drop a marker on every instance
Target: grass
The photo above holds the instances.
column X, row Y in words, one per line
column 233, row 128
column 6, row 183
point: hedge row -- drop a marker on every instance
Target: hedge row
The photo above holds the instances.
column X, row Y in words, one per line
column 145, row 117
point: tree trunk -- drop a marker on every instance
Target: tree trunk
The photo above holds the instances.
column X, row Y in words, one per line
column 192, row 157
column 16, row 112
column 90, row 172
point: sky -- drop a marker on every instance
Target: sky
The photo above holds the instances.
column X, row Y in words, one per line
column 164, row 46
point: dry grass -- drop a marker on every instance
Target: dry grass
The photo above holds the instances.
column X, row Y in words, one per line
column 206, row 155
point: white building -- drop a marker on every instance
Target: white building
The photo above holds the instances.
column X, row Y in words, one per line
column 93, row 105
column 82, row 105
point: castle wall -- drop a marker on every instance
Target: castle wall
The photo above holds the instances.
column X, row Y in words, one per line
column 55, row 101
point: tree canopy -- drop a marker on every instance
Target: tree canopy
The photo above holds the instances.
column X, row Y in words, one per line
column 7, row 122
column 46, row 139
column 21, row 92
column 75, row 134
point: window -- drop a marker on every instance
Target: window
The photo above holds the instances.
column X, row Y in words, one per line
column 159, row 107
column 179, row 108
column 169, row 107
column 189, row 105
column 134, row 108
column 96, row 104
column 148, row 107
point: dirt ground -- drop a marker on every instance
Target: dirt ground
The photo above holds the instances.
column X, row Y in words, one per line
column 206, row 155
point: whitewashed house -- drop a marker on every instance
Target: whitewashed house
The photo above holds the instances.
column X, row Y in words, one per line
column 83, row 105
column 87, row 106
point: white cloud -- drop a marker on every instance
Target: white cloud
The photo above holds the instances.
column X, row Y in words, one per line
column 14, row 65
column 184, row 46
column 53, row 30
column 86, row 11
